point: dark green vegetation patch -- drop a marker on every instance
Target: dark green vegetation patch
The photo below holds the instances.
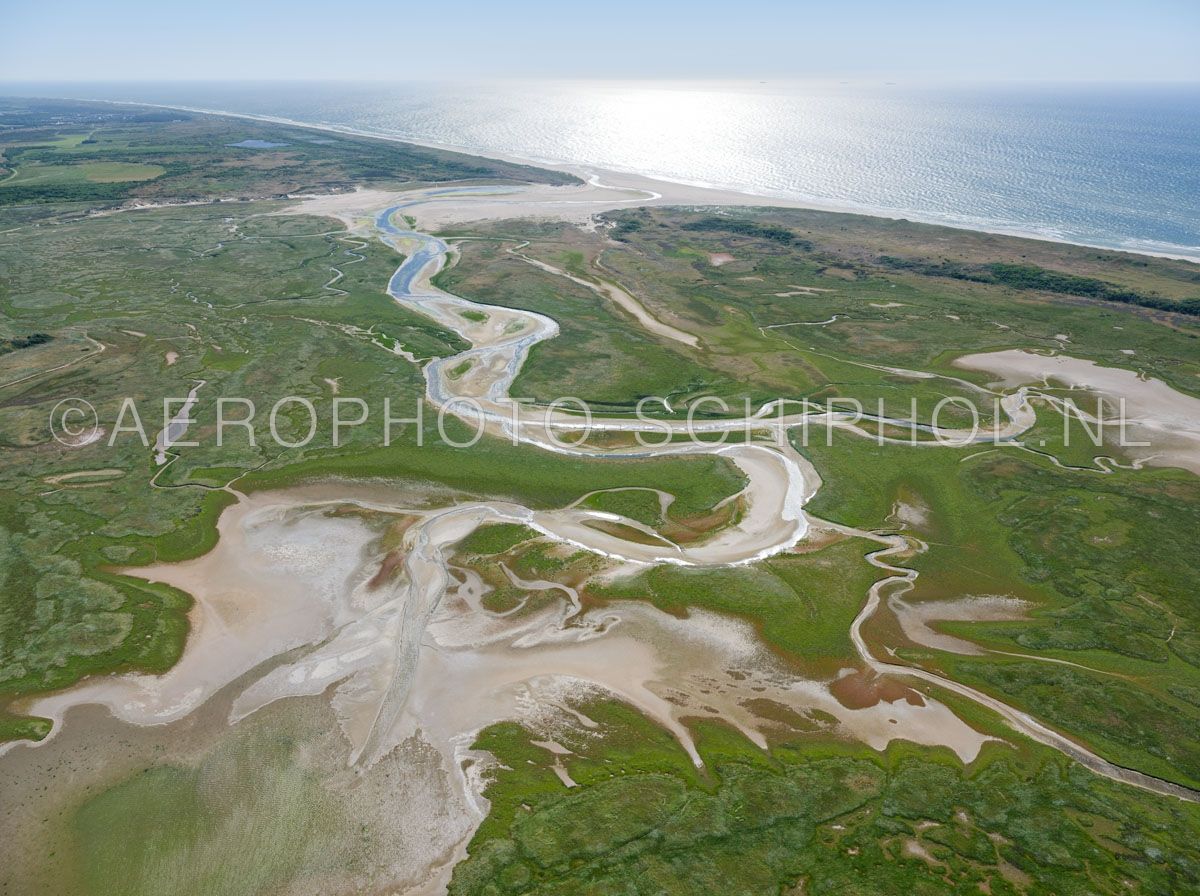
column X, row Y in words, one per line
column 811, row 819
column 1032, row 277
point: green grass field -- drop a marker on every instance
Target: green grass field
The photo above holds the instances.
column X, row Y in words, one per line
column 84, row 172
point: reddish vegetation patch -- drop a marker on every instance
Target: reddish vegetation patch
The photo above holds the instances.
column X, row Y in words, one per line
column 785, row 716
column 391, row 561
column 622, row 531
column 693, row 528
column 818, row 539
column 860, row 690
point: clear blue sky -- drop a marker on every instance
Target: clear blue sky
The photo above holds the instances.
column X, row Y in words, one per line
column 108, row 40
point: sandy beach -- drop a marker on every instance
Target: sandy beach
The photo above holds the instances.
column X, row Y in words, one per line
column 660, row 191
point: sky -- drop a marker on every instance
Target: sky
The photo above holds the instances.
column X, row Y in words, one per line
column 917, row 40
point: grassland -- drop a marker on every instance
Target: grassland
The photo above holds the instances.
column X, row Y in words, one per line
column 84, row 172
column 599, row 357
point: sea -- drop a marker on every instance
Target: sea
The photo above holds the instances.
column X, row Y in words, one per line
column 1103, row 165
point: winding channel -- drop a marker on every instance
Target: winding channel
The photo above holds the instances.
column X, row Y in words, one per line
column 779, row 479
column 286, row 608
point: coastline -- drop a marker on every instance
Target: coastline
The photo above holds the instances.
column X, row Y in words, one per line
column 684, row 192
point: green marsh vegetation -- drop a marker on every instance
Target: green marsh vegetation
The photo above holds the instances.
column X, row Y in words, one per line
column 810, row 817
column 496, row 538
column 600, row 357
column 1103, row 561
column 757, row 317
column 148, row 283
column 801, row 604
column 642, row 505
column 832, row 817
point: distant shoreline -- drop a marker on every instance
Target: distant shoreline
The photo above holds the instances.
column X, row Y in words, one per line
column 691, row 194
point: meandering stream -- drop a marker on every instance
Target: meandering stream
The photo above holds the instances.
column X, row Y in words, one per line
column 780, row 480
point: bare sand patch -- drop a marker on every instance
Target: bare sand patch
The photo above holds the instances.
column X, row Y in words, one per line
column 81, row 478
column 912, row 513
column 916, row 850
column 177, row 426
column 576, row 203
column 716, row 259
column 1165, row 420
column 917, row 620
column 84, row 439
column 794, row 290
column 353, row 208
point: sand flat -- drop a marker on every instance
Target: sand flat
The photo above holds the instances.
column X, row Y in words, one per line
column 1166, row 420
